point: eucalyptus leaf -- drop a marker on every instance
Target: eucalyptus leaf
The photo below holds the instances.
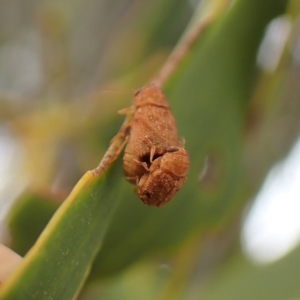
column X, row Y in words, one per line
column 58, row 263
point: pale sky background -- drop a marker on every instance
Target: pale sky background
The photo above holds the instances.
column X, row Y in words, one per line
column 272, row 228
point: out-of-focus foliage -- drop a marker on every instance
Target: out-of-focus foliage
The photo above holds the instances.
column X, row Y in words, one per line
column 56, row 59
column 59, row 262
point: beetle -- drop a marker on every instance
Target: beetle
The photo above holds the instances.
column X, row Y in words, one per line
column 155, row 159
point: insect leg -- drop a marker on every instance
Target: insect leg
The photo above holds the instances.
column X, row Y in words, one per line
column 172, row 149
column 152, row 148
column 143, row 164
column 152, row 152
column 182, row 142
column 127, row 111
column 133, row 178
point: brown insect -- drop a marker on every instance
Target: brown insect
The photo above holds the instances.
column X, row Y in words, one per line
column 154, row 158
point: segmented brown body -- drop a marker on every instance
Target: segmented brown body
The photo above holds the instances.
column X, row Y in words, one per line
column 154, row 158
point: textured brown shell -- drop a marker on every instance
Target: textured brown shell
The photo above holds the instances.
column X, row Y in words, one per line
column 166, row 176
column 153, row 128
column 150, row 95
column 152, row 122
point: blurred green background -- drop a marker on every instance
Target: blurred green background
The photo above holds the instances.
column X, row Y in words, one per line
column 67, row 67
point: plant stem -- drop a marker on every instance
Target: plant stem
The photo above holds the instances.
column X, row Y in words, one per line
column 116, row 145
column 209, row 11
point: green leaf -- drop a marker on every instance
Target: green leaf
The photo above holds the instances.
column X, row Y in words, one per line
column 58, row 263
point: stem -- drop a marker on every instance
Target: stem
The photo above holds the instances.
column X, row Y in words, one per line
column 116, row 146
column 210, row 10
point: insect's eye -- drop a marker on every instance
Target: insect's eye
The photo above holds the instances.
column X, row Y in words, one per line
column 172, row 149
